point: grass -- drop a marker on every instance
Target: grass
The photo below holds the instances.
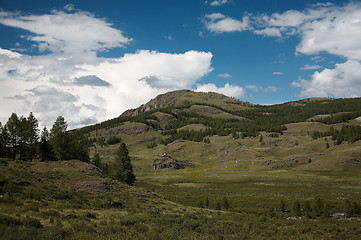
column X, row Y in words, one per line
column 42, row 202
column 72, row 200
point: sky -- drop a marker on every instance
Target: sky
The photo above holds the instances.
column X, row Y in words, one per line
column 89, row 61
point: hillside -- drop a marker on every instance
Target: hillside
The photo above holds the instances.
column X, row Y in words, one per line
column 186, row 97
column 207, row 167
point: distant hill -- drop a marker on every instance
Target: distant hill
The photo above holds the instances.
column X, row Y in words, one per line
column 186, row 97
column 217, row 127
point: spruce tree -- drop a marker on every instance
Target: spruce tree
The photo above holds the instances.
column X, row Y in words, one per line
column 33, row 135
column 12, row 127
column 45, row 147
column 2, row 142
column 123, row 169
column 59, row 139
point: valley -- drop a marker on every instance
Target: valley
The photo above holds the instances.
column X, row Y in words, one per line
column 207, row 167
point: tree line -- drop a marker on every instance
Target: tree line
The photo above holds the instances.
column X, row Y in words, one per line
column 20, row 138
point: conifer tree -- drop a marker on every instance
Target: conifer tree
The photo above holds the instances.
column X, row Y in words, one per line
column 45, row 147
column 12, row 127
column 59, row 139
column 33, row 135
column 123, row 169
column 2, row 142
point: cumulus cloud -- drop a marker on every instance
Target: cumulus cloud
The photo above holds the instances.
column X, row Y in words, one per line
column 277, row 73
column 342, row 81
column 229, row 90
column 73, row 34
column 219, row 23
column 69, row 79
column 321, row 28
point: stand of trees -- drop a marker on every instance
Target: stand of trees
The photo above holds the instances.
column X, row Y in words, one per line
column 121, row 169
column 20, row 139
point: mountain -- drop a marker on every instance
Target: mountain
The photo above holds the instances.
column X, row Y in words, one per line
column 186, row 97
column 207, row 167
column 196, row 127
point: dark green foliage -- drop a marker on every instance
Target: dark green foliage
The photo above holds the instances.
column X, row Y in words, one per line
column 307, row 209
column 12, row 127
column 282, row 206
column 225, row 204
column 113, row 140
column 327, row 145
column 45, row 149
column 152, row 145
column 271, row 212
column 122, row 166
column 60, row 140
column 349, row 133
column 296, row 208
column 96, row 160
column 317, row 207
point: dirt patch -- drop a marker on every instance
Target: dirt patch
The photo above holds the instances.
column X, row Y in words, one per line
column 98, row 186
column 63, row 166
column 132, row 129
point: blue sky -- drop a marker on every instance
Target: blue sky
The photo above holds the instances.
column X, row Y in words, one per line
column 90, row 61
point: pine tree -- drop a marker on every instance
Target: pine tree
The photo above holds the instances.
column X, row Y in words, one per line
column 13, row 134
column 96, row 160
column 2, row 142
column 33, row 135
column 59, row 139
column 23, row 137
column 45, row 147
column 122, row 166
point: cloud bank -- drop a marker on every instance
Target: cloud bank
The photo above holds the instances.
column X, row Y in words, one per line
column 66, row 77
column 321, row 28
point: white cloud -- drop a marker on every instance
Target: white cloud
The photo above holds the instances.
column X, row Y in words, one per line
column 218, row 2
column 76, row 83
column 269, row 31
column 219, row 23
column 342, row 81
column 321, row 28
column 277, row 73
column 310, row 67
column 73, row 34
column 224, row 75
column 229, row 90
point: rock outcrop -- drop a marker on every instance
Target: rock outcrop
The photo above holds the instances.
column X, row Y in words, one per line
column 166, row 161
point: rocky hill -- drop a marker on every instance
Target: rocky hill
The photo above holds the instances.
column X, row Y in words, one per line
column 187, row 97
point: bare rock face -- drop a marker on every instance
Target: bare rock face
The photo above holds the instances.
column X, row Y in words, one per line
column 166, row 161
